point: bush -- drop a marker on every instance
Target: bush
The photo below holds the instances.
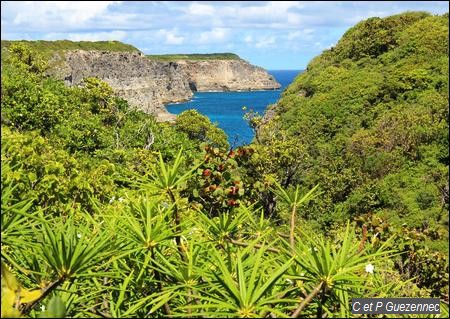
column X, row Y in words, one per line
column 199, row 127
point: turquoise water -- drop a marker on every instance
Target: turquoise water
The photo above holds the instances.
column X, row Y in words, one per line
column 225, row 108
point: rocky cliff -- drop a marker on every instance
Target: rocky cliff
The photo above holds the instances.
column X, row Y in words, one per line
column 145, row 84
column 227, row 75
column 149, row 84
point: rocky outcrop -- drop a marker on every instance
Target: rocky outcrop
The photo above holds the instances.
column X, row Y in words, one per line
column 227, row 75
column 149, row 84
column 145, row 84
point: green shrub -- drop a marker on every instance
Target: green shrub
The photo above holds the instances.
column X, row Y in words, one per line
column 199, row 127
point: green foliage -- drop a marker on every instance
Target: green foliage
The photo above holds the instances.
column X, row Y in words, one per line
column 193, row 57
column 28, row 100
column 50, row 47
column 374, row 36
column 199, row 127
column 278, row 157
column 166, row 180
column 55, row 308
column 145, row 227
column 254, row 120
column 99, row 94
column 248, row 289
column 413, row 259
column 377, row 141
column 371, row 118
column 52, row 177
column 22, row 57
column 64, row 162
column 123, row 262
column 106, row 213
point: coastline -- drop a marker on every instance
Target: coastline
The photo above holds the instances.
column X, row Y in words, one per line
column 217, row 91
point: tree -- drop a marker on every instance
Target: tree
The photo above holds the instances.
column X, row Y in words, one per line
column 199, row 127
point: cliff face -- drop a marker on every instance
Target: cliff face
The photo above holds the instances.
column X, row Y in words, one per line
column 227, row 75
column 148, row 84
column 145, row 84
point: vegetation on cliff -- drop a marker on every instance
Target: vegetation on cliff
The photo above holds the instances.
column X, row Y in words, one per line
column 107, row 213
column 372, row 116
column 48, row 48
column 193, row 57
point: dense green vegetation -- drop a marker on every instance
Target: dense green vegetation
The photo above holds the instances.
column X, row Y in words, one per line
column 372, row 117
column 194, row 57
column 48, row 48
column 106, row 213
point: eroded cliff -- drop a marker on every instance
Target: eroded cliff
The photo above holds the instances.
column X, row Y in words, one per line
column 149, row 84
column 227, row 75
column 145, row 84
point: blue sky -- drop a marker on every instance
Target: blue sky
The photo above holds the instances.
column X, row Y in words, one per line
column 274, row 35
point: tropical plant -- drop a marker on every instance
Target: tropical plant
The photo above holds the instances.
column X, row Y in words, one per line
column 116, row 215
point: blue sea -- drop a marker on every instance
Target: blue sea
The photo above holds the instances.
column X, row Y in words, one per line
column 225, row 108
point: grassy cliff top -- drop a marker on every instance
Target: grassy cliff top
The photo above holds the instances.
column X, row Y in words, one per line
column 49, row 47
column 194, row 57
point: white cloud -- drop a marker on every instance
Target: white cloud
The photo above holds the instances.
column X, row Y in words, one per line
column 200, row 9
column 294, row 35
column 248, row 39
column 305, row 34
column 273, row 14
column 91, row 16
column 216, row 35
column 56, row 14
column 259, row 30
column 173, row 39
column 170, row 36
column 265, row 42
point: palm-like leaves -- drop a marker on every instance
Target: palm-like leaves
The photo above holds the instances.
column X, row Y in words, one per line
column 249, row 288
column 188, row 272
column 222, row 227
column 16, row 221
column 323, row 261
column 143, row 225
column 121, row 261
column 18, row 226
column 71, row 251
column 165, row 179
column 256, row 224
column 293, row 197
column 294, row 200
column 334, row 269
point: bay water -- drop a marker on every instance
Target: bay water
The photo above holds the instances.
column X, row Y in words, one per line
column 225, row 108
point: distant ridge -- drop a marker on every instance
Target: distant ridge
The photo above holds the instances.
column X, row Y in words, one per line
column 194, row 56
